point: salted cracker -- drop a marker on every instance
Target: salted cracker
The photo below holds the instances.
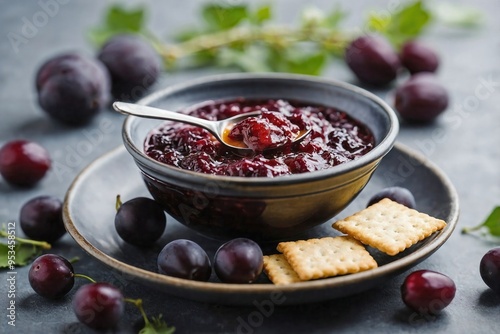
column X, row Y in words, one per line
column 326, row 257
column 279, row 270
column 389, row 226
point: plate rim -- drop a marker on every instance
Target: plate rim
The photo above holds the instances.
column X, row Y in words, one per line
column 263, row 288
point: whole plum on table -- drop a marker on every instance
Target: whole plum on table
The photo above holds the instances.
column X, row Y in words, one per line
column 133, row 64
column 51, row 276
column 421, row 99
column 373, row 60
column 41, row 219
column 427, row 292
column 23, row 163
column 72, row 88
column 418, row 57
column 98, row 305
column 489, row 269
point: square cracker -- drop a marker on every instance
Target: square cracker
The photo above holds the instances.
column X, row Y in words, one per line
column 389, row 226
column 278, row 270
column 326, row 257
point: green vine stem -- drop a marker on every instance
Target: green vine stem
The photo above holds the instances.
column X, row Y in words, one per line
column 41, row 244
column 138, row 304
column 275, row 36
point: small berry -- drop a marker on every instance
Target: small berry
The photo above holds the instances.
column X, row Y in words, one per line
column 23, row 162
column 184, row 259
column 238, row 261
column 489, row 269
column 373, row 60
column 417, row 57
column 140, row 221
column 51, row 276
column 421, row 99
column 41, row 219
column 98, row 305
column 427, row 292
column 397, row 194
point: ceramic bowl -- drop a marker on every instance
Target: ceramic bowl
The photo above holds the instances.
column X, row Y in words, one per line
column 261, row 208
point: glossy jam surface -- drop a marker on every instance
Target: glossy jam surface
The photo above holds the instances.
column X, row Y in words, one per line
column 335, row 138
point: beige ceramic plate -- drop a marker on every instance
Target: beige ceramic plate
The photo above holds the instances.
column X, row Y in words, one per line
column 89, row 218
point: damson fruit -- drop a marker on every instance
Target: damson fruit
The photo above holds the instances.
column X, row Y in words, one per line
column 421, row 99
column 72, row 88
column 23, row 163
column 417, row 57
column 373, row 60
column 41, row 219
column 184, row 259
column 133, row 64
column 489, row 268
column 397, row 194
column 98, row 305
column 140, row 221
column 427, row 292
column 238, row 261
column 51, row 276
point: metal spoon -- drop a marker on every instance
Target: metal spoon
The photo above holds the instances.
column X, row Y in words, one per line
column 217, row 128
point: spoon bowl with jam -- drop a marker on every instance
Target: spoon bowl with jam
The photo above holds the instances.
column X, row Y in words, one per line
column 245, row 133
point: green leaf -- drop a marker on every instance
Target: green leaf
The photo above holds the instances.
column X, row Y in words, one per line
column 405, row 24
column 157, row 326
column 219, row 17
column 457, row 15
column 492, row 224
column 295, row 60
column 251, row 59
column 99, row 36
column 334, row 19
column 262, row 14
column 119, row 18
column 23, row 253
column 378, row 22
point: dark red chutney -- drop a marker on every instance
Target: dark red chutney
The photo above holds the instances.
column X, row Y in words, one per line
column 335, row 138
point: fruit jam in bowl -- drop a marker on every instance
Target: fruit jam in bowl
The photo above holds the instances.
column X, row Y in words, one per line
column 273, row 193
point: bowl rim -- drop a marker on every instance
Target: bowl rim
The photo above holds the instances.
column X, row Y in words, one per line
column 380, row 150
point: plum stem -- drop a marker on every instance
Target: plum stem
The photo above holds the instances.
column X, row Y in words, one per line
column 42, row 244
column 85, row 276
column 279, row 37
column 138, row 304
column 118, row 202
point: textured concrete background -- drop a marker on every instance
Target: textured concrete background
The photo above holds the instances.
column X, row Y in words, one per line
column 464, row 143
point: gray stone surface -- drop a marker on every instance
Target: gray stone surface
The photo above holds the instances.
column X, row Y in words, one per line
column 464, row 143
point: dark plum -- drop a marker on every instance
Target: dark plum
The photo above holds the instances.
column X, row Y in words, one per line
column 72, row 88
column 421, row 99
column 489, row 268
column 238, row 261
column 427, row 292
column 51, row 276
column 397, row 194
column 184, row 259
column 133, row 64
column 373, row 60
column 41, row 219
column 23, row 163
column 98, row 305
column 418, row 57
column 140, row 221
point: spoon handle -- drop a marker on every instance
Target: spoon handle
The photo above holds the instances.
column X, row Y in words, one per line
column 156, row 113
